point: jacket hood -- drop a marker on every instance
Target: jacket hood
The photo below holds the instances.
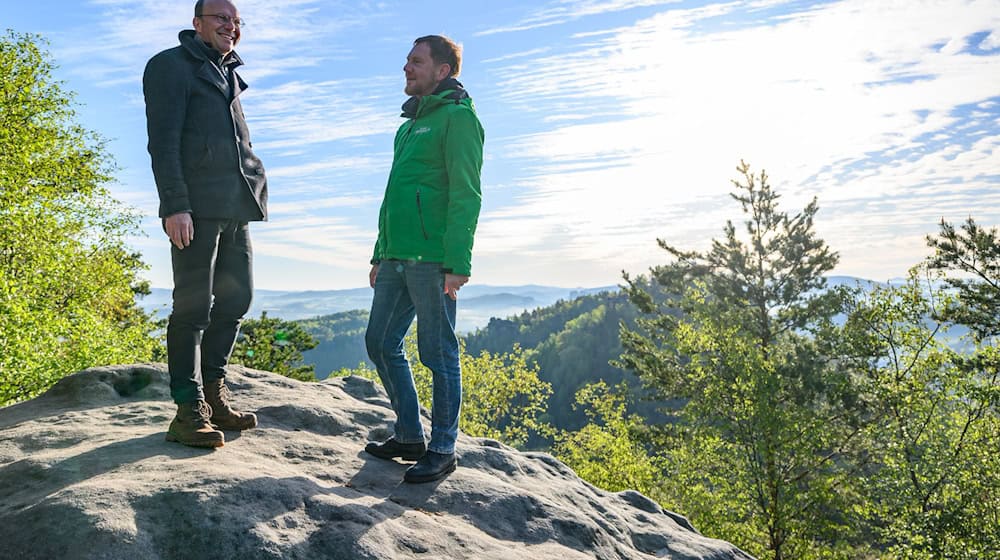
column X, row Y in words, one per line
column 199, row 49
column 457, row 93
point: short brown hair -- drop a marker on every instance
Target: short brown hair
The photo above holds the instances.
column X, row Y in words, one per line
column 444, row 51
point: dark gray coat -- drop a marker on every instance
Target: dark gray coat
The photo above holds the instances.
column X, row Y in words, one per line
column 198, row 137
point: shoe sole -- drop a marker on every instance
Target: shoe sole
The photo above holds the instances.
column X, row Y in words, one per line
column 226, row 428
column 205, row 444
column 251, row 424
column 432, row 477
column 390, row 457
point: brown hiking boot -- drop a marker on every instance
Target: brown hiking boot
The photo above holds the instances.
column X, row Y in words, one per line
column 191, row 426
column 223, row 416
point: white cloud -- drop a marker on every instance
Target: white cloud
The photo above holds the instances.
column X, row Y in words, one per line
column 339, row 164
column 604, row 133
column 521, row 54
column 569, row 10
column 306, row 113
column 813, row 96
column 126, row 33
column 331, row 241
column 310, row 206
column 991, row 41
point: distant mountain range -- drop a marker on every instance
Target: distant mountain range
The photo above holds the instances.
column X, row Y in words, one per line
column 570, row 333
column 477, row 303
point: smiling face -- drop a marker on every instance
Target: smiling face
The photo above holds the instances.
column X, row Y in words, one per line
column 220, row 35
column 422, row 73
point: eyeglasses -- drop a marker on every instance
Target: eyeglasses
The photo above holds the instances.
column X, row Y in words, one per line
column 226, row 20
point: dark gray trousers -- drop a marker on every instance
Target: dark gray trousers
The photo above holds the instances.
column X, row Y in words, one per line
column 213, row 287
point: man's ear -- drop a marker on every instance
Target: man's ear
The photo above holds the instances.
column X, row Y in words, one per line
column 443, row 71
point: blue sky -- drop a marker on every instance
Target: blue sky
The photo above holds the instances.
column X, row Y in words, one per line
column 609, row 123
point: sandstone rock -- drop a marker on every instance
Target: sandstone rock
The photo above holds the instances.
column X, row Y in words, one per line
column 85, row 473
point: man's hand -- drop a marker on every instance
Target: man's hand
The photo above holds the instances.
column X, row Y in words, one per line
column 372, row 274
column 180, row 229
column 452, row 283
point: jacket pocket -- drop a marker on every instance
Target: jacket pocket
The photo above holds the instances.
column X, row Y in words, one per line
column 196, row 156
column 206, row 157
column 420, row 215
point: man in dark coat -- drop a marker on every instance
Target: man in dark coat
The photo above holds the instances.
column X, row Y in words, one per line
column 211, row 185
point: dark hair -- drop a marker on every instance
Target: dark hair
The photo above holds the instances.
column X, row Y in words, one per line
column 198, row 7
column 444, row 51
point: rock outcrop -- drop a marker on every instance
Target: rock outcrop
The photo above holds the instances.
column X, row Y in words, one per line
column 85, row 473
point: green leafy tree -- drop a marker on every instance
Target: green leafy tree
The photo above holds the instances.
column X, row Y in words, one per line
column 274, row 345
column 608, row 452
column 975, row 251
column 933, row 485
column 767, row 424
column 935, row 430
column 67, row 279
column 502, row 396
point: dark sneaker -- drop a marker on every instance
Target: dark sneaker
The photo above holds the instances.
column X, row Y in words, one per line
column 191, row 426
column 432, row 466
column 391, row 449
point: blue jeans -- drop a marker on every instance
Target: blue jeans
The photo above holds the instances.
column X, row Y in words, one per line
column 404, row 289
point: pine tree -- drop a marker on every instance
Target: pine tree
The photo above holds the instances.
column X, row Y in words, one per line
column 757, row 449
column 974, row 251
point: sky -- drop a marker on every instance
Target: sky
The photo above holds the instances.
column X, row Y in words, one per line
column 609, row 123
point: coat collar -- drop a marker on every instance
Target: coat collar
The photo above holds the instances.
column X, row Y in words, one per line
column 213, row 63
column 198, row 49
column 448, row 89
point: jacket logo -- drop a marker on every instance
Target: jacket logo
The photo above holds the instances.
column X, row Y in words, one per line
column 422, row 130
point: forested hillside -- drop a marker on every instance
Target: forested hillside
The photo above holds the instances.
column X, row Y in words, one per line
column 341, row 341
column 573, row 343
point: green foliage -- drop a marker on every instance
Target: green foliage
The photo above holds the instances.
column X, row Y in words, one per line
column 274, row 345
column 67, row 280
column 608, row 452
column 691, row 483
column 340, row 341
column 572, row 343
column 362, row 370
column 768, row 419
column 934, row 430
column 502, row 396
column 532, row 328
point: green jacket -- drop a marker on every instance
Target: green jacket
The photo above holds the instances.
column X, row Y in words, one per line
column 433, row 196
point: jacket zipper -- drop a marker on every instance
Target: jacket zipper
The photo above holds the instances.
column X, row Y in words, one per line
column 420, row 214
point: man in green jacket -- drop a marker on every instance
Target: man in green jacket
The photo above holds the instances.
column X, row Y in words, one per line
column 423, row 254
